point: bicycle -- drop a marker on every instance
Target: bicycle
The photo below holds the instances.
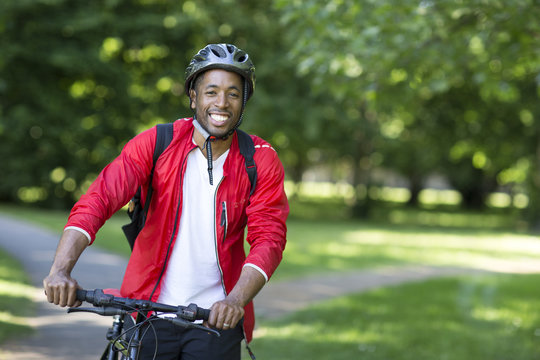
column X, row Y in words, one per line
column 126, row 343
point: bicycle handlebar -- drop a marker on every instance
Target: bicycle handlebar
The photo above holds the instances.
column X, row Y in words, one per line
column 112, row 305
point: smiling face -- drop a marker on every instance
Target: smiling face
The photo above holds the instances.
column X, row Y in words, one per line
column 217, row 100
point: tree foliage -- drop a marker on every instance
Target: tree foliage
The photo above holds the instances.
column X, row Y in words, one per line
column 78, row 79
column 416, row 87
column 453, row 85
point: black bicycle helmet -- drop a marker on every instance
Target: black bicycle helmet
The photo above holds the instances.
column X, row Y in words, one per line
column 222, row 56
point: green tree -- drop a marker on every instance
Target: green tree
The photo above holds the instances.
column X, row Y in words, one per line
column 78, row 79
column 443, row 75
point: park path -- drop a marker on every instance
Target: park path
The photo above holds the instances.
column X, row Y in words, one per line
column 61, row 336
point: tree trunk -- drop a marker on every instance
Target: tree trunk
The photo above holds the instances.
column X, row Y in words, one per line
column 416, row 185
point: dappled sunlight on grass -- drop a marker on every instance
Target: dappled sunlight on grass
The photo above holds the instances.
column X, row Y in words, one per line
column 9, row 318
column 316, row 247
column 448, row 219
column 16, row 298
column 315, row 332
column 505, row 243
column 481, row 317
column 14, row 289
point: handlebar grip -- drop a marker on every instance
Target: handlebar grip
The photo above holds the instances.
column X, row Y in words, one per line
column 203, row 314
column 192, row 312
column 91, row 296
column 96, row 297
column 81, row 294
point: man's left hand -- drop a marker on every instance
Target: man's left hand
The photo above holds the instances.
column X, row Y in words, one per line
column 225, row 314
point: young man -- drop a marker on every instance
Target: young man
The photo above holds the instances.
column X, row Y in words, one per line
column 191, row 247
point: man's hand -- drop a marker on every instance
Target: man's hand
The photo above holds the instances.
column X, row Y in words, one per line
column 59, row 286
column 225, row 314
column 61, row 289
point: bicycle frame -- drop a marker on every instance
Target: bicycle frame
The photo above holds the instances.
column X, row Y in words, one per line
column 127, row 343
column 127, row 348
column 114, row 333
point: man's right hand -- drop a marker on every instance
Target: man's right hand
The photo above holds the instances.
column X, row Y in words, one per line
column 61, row 289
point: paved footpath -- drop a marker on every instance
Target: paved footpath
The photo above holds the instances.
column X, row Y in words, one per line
column 61, row 336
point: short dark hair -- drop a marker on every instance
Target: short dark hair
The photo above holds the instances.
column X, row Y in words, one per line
column 198, row 80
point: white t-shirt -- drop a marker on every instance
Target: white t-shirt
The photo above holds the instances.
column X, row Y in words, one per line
column 193, row 274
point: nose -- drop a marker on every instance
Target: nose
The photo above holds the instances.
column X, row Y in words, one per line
column 221, row 101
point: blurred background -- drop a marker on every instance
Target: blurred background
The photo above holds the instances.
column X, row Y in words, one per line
column 360, row 95
column 412, row 117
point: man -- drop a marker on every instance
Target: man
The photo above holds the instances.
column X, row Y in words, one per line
column 191, row 247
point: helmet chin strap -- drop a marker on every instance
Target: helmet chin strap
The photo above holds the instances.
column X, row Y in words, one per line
column 208, row 139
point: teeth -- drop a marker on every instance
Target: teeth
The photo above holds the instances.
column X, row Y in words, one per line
column 219, row 118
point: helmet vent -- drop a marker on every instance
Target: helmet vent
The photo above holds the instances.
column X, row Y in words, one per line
column 219, row 52
column 242, row 58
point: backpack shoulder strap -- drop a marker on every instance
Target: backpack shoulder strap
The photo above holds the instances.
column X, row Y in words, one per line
column 247, row 149
column 164, row 134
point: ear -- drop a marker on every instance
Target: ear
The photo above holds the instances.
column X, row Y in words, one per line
column 192, row 97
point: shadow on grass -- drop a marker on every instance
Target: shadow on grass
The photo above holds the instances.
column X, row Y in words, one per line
column 11, row 330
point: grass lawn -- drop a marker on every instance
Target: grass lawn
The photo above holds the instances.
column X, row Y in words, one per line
column 460, row 318
column 15, row 299
column 464, row 318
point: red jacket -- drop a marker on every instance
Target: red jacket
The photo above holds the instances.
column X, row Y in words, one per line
column 264, row 213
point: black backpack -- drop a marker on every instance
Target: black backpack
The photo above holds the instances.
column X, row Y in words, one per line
column 164, row 136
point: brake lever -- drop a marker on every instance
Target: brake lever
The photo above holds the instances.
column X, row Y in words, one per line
column 189, row 325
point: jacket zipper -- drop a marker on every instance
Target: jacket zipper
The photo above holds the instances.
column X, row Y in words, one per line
column 224, row 204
